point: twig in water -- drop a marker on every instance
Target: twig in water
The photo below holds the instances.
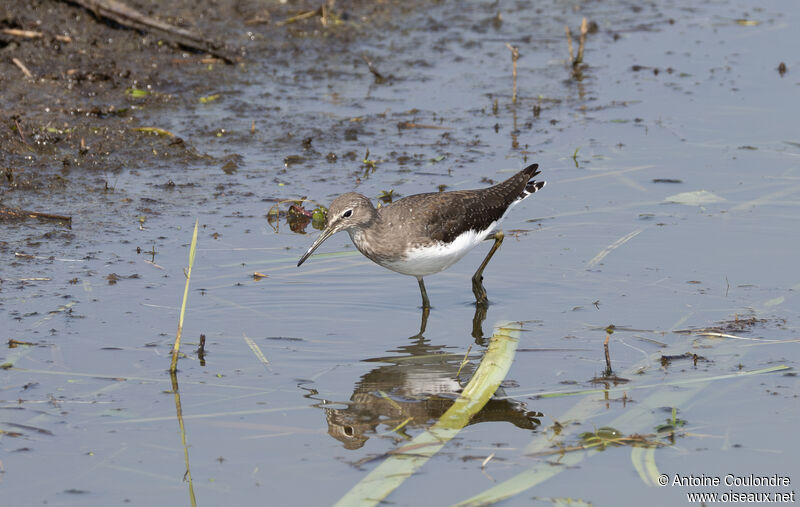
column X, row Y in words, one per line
column 30, row 34
column 609, row 332
column 379, row 78
column 22, row 67
column 19, row 130
column 597, row 259
column 8, row 212
column 569, row 43
column 300, row 17
column 49, row 216
column 128, row 17
column 576, row 60
column 412, row 125
column 256, row 350
column 15, row 343
column 201, row 349
column 581, row 43
column 514, row 58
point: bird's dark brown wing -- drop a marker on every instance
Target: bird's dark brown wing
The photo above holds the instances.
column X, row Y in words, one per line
column 445, row 216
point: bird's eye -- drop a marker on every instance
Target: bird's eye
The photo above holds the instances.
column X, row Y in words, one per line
column 347, row 213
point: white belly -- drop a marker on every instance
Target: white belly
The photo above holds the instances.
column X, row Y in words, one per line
column 427, row 260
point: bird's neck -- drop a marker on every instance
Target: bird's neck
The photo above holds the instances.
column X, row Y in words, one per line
column 364, row 237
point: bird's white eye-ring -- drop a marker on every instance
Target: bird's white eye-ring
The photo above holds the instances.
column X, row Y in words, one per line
column 347, row 213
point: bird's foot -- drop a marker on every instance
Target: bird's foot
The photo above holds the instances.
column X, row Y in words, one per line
column 481, row 297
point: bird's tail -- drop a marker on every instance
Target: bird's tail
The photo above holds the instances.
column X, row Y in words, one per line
column 532, row 185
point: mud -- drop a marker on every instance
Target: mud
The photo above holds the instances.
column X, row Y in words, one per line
column 93, row 83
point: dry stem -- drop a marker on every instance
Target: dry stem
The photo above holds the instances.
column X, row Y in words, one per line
column 514, row 58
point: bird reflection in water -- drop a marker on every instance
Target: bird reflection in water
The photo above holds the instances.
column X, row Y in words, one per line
column 415, row 385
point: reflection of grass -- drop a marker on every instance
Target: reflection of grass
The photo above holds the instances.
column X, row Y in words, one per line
column 179, row 411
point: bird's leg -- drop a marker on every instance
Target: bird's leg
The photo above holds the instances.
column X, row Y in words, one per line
column 425, row 302
column 426, row 310
column 477, row 278
column 477, row 324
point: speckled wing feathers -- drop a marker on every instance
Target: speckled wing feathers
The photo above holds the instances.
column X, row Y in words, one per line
column 453, row 213
column 417, row 220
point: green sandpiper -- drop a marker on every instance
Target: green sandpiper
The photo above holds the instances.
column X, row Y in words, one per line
column 423, row 234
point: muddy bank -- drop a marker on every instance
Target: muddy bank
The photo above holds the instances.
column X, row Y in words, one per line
column 80, row 91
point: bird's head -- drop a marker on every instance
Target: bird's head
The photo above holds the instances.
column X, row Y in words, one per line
column 348, row 211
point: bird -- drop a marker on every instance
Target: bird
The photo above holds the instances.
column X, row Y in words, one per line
column 423, row 234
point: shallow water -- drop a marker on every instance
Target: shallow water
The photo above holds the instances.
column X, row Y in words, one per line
column 88, row 410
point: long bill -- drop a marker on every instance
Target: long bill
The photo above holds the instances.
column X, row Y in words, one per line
column 322, row 237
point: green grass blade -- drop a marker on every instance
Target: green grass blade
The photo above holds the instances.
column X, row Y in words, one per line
column 173, row 366
column 405, row 461
column 630, row 387
column 525, row 480
column 640, row 418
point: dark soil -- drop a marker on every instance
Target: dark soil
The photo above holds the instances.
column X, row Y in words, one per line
column 94, row 82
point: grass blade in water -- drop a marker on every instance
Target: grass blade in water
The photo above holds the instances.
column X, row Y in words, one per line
column 404, row 462
column 640, row 418
column 173, row 366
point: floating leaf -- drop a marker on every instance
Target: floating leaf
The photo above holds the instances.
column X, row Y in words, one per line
column 209, row 98
column 155, row 130
column 695, row 198
column 136, row 93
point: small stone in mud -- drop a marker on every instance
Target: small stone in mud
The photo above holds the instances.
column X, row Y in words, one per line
column 293, row 159
column 331, row 157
